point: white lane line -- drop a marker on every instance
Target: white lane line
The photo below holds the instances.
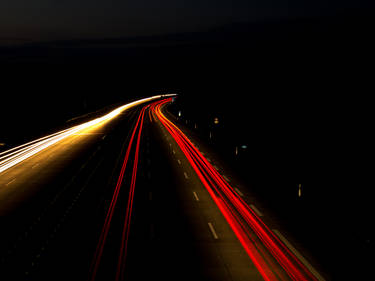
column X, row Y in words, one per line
column 174, row 152
column 256, row 210
column 186, row 176
column 298, row 255
column 239, row 192
column 10, row 182
column 37, row 164
column 213, row 231
column 196, row 196
column 228, row 180
column 179, row 162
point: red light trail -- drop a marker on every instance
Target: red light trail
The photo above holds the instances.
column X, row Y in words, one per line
column 269, row 254
column 104, row 233
column 126, row 229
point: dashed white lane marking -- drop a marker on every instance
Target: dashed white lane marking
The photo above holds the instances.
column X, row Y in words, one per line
column 213, row 231
column 34, row 166
column 239, row 192
column 174, row 152
column 196, row 196
column 179, row 161
column 186, row 176
column 10, row 182
column 256, row 210
column 298, row 255
column 228, row 180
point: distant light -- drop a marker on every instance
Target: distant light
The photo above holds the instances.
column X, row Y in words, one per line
column 299, row 190
column 216, row 120
column 244, row 146
column 179, row 113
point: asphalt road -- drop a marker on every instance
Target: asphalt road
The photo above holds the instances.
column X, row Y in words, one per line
column 53, row 207
column 178, row 231
column 52, row 203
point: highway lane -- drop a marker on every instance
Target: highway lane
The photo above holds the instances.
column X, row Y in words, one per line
column 60, row 192
column 272, row 254
column 174, row 235
column 66, row 197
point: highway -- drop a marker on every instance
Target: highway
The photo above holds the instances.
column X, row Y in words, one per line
column 130, row 197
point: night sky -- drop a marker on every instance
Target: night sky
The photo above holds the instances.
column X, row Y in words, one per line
column 69, row 19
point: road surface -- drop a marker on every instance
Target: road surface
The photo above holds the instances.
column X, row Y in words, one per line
column 131, row 198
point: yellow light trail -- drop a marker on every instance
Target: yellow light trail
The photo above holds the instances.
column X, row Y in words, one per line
column 20, row 153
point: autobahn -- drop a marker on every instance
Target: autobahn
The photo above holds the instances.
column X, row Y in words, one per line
column 130, row 197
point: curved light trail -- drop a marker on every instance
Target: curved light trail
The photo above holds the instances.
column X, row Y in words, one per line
column 269, row 254
column 136, row 133
column 13, row 156
column 105, row 229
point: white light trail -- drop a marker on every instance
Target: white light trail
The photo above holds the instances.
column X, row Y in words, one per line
column 18, row 154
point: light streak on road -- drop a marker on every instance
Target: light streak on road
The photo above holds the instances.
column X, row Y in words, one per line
column 269, row 254
column 20, row 153
column 137, row 131
column 126, row 228
column 105, row 229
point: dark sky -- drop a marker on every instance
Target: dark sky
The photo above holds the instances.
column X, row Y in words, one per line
column 66, row 19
